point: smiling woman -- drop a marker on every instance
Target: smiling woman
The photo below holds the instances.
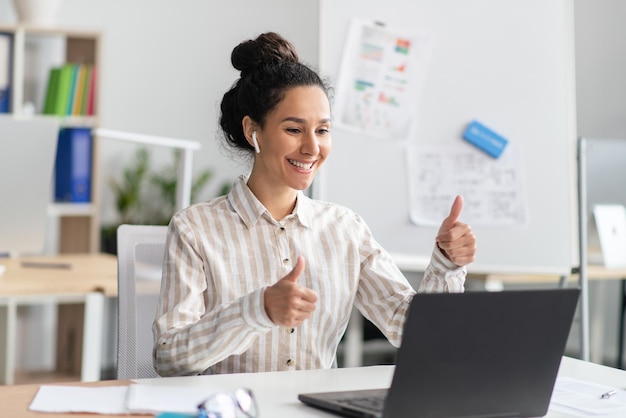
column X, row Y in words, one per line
column 295, row 139
column 265, row 278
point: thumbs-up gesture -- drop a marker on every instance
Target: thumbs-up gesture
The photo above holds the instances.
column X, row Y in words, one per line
column 288, row 304
column 455, row 239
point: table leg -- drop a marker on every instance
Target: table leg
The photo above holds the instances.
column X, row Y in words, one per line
column 92, row 337
column 620, row 341
column 353, row 353
column 8, row 328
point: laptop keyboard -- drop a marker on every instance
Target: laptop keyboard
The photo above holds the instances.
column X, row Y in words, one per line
column 370, row 403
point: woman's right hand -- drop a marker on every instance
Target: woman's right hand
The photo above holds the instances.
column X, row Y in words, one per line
column 288, row 304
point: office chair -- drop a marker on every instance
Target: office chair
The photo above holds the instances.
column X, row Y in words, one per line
column 140, row 251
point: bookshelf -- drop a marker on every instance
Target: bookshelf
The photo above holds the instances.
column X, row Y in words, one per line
column 35, row 51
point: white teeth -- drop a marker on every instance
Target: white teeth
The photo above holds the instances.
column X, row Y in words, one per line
column 300, row 165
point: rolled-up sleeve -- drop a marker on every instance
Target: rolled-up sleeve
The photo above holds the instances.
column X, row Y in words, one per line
column 442, row 275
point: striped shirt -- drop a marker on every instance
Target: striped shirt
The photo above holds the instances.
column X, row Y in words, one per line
column 222, row 254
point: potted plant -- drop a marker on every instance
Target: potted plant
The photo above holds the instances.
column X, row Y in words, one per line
column 143, row 197
column 127, row 198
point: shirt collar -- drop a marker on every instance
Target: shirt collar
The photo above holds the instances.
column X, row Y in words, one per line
column 250, row 209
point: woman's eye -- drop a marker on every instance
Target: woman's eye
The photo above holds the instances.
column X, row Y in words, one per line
column 323, row 131
column 293, row 130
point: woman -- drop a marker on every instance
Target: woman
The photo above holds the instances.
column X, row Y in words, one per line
column 265, row 278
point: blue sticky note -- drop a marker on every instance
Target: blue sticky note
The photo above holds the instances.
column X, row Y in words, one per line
column 485, row 139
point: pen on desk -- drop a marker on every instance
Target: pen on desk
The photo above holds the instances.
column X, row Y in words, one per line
column 46, row 265
column 607, row 395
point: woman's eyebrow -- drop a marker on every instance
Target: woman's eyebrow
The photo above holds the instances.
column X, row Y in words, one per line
column 300, row 120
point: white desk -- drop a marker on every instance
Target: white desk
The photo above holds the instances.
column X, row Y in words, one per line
column 277, row 392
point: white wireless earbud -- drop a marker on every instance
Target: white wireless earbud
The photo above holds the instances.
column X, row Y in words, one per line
column 255, row 142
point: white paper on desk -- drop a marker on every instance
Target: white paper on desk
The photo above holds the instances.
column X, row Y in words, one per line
column 157, row 398
column 583, row 399
column 98, row 400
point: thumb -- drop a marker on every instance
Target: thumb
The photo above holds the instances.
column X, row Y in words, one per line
column 297, row 270
column 455, row 212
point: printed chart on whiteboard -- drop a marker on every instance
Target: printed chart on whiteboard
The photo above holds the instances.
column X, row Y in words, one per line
column 379, row 80
column 492, row 189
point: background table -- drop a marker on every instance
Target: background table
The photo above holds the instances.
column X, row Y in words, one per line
column 66, row 280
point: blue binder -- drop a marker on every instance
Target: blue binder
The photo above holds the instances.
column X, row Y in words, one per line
column 73, row 165
column 6, row 63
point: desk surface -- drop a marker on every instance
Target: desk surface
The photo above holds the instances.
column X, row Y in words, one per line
column 86, row 273
column 277, row 391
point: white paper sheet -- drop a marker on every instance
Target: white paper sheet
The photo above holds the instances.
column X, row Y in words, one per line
column 380, row 79
column 97, row 400
column 584, row 399
column 154, row 399
column 492, row 189
column 133, row 399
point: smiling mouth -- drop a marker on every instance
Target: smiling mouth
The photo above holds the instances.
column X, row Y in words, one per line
column 304, row 166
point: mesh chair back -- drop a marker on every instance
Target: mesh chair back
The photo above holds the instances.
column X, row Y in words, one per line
column 140, row 251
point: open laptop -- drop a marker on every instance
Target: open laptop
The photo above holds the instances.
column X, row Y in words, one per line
column 473, row 354
column 27, row 154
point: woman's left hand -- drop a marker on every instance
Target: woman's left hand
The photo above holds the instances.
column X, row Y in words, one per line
column 456, row 239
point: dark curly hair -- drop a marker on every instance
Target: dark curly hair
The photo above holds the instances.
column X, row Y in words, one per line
column 269, row 66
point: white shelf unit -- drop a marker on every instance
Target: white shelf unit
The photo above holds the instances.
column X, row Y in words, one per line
column 35, row 50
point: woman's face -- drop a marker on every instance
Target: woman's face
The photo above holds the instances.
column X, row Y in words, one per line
column 295, row 139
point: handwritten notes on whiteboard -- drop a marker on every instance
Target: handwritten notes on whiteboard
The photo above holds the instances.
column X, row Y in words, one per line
column 492, row 189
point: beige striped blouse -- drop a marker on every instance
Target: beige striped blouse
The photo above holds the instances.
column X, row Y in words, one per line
column 222, row 254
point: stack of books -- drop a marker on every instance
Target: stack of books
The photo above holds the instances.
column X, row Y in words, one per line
column 71, row 90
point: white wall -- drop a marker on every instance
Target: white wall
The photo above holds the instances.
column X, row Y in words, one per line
column 600, row 35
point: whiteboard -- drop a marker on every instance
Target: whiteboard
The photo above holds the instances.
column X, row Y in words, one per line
column 506, row 63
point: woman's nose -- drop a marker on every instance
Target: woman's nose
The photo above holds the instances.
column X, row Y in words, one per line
column 310, row 144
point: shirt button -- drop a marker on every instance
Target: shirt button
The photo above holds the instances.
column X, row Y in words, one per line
column 290, row 362
column 282, row 228
column 285, row 261
column 292, row 330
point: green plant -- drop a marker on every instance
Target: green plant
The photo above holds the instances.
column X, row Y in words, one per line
column 128, row 201
column 145, row 198
column 165, row 182
column 128, row 191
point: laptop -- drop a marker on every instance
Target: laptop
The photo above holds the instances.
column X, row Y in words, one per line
column 473, row 354
column 611, row 228
column 27, row 154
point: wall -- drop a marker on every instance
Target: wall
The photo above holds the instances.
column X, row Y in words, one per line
column 601, row 67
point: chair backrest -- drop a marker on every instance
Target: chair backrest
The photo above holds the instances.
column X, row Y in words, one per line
column 140, row 251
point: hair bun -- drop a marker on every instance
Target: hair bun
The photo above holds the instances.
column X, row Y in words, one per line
column 266, row 48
